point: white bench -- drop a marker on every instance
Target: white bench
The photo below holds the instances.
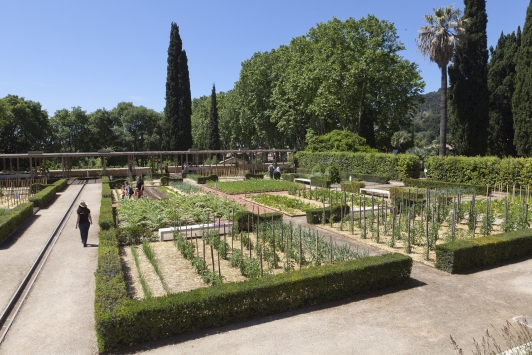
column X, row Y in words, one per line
column 304, row 181
column 195, row 230
column 375, row 192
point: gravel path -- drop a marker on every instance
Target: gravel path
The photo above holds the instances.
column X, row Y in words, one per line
column 58, row 315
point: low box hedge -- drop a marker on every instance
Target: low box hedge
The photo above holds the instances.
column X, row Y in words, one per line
column 43, row 196
column 465, row 254
column 117, row 183
column 106, row 220
column 366, row 177
column 60, row 184
column 291, row 177
column 202, row 179
column 352, row 186
column 132, row 322
column 316, row 215
column 241, row 220
column 431, row 184
column 250, row 176
column 14, row 218
column 165, row 180
column 320, row 181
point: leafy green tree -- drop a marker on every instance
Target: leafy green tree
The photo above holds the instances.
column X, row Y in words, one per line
column 469, row 94
column 139, row 128
column 177, row 126
column 437, row 41
column 101, row 126
column 71, row 130
column 402, row 140
column 522, row 98
column 338, row 141
column 200, row 122
column 24, row 125
column 214, row 134
column 501, row 84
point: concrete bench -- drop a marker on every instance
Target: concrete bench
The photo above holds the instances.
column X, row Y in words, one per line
column 195, row 230
column 375, row 192
column 304, row 181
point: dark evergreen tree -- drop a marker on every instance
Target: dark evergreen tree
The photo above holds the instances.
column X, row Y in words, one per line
column 501, row 85
column 469, row 95
column 176, row 128
column 522, row 98
column 214, row 133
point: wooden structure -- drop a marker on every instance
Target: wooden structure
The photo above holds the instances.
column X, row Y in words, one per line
column 10, row 163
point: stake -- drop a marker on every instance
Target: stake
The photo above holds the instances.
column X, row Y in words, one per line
column 352, row 217
column 233, row 231
column 427, row 235
column 197, row 249
column 261, row 273
column 331, row 248
column 219, row 272
column 317, row 258
column 408, row 221
column 212, row 256
column 300, row 247
column 204, row 261
column 364, row 236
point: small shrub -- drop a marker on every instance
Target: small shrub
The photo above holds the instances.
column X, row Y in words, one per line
column 352, row 186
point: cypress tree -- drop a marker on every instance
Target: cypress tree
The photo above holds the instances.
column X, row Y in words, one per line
column 214, row 134
column 501, row 85
column 176, row 128
column 522, row 98
column 469, row 95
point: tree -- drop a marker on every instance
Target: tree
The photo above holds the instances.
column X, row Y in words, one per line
column 71, row 130
column 338, row 141
column 177, row 126
column 200, row 122
column 468, row 76
column 522, row 98
column 501, row 85
column 101, row 126
column 214, row 134
column 437, row 42
column 24, row 125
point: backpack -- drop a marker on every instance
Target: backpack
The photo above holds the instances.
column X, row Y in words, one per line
column 129, row 190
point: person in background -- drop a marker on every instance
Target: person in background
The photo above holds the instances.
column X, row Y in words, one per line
column 166, row 169
column 277, row 173
column 123, row 192
column 270, row 170
column 84, row 222
column 140, row 186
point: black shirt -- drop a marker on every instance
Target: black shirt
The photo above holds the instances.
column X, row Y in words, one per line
column 140, row 183
column 83, row 217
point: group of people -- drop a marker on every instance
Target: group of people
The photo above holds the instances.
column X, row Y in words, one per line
column 128, row 190
column 275, row 172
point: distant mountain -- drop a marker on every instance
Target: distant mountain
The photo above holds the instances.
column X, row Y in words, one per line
column 432, row 103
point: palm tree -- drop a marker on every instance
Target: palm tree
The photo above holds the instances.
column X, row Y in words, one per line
column 437, row 41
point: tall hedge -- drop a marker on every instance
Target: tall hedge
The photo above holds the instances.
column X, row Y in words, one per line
column 397, row 167
column 480, row 170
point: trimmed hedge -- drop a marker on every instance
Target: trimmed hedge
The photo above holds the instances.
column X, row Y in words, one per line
column 398, row 167
column 250, row 176
column 165, row 180
column 14, row 218
column 202, row 179
column 480, row 170
column 320, row 181
column 134, row 322
column 241, row 220
column 352, row 186
column 60, row 184
column 43, row 196
column 366, row 177
column 117, row 183
column 465, row 254
column 316, row 215
column 431, row 184
column 291, row 177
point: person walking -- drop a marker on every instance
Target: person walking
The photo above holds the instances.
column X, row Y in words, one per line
column 140, row 186
column 270, row 170
column 84, row 222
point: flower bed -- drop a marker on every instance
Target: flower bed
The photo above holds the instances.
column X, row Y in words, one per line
column 252, row 186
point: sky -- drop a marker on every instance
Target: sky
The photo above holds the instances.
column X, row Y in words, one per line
column 95, row 54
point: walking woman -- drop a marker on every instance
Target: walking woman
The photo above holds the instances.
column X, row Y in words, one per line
column 84, row 221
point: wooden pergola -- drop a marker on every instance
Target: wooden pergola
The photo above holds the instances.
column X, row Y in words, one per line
column 193, row 156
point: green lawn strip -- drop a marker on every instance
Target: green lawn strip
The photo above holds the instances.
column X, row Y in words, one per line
column 145, row 287
column 252, row 186
column 283, row 203
column 150, row 254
